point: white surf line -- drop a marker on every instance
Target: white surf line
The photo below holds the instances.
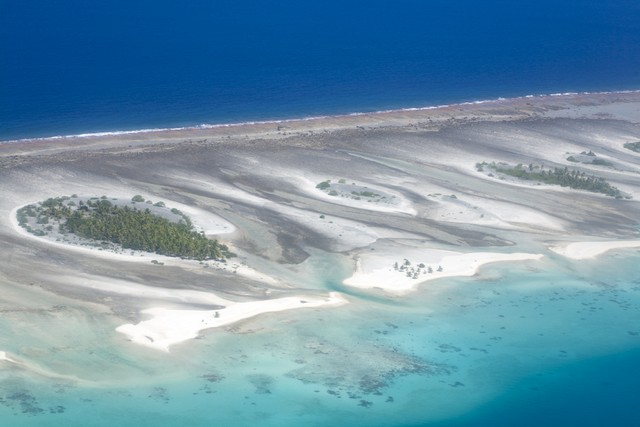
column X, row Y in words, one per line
column 304, row 119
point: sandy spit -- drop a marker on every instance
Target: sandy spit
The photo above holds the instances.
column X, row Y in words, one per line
column 169, row 327
column 587, row 250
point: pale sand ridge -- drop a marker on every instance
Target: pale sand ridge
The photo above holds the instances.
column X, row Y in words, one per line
column 377, row 271
column 3, row 356
column 169, row 327
column 586, row 250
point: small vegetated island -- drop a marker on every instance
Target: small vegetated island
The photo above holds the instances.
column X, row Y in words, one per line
column 564, row 177
column 589, row 158
column 354, row 191
column 633, row 146
column 107, row 222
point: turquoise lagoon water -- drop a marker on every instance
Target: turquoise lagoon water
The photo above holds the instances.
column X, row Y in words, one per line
column 548, row 342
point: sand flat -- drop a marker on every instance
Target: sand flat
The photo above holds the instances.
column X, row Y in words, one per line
column 379, row 272
column 587, row 250
column 252, row 186
column 169, row 327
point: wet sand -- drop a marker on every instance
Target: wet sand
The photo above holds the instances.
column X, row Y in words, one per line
column 261, row 178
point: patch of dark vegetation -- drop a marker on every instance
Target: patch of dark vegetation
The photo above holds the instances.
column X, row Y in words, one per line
column 127, row 227
column 563, row 177
column 365, row 193
column 324, row 185
column 633, row 146
column 353, row 191
column 589, row 158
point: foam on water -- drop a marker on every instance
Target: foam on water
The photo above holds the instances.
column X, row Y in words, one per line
column 303, row 119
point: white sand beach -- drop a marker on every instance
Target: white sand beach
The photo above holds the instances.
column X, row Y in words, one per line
column 209, row 224
column 6, row 358
column 379, row 272
column 587, row 250
column 169, row 327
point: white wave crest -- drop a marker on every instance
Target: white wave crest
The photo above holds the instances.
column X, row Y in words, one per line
column 309, row 118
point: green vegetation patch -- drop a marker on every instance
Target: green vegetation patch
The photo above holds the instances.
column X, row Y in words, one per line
column 414, row 272
column 353, row 191
column 564, row 177
column 589, row 158
column 365, row 193
column 324, row 185
column 633, row 146
column 125, row 226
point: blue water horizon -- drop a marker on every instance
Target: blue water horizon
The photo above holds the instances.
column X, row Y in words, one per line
column 77, row 68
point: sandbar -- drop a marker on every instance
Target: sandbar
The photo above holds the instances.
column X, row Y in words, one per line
column 169, row 327
column 379, row 271
column 588, row 250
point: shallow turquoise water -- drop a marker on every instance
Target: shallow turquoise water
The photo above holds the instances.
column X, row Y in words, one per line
column 532, row 343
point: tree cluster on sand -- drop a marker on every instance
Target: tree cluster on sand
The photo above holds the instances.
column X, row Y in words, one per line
column 564, row 177
column 127, row 227
column 353, row 191
column 589, row 158
column 414, row 272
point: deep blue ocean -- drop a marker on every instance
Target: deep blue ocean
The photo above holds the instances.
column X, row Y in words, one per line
column 595, row 392
column 74, row 66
